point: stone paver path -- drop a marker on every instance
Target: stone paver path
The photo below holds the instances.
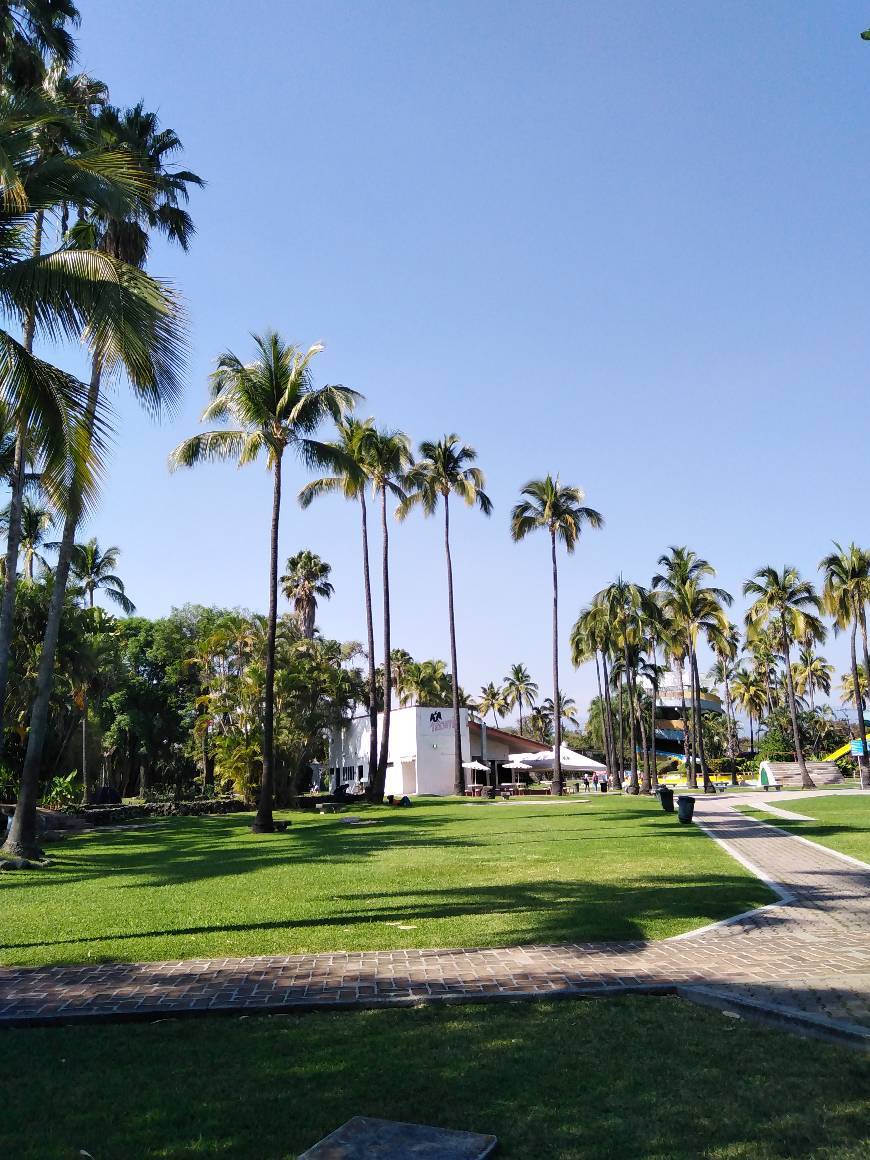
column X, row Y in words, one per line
column 805, row 959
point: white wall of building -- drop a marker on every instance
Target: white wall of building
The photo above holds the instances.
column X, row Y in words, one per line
column 420, row 758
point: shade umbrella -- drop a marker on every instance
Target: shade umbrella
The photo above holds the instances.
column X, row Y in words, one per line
column 516, row 767
column 475, row 765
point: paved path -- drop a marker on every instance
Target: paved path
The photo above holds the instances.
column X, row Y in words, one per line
column 805, row 959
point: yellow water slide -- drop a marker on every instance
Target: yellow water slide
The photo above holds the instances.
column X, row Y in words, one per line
column 841, row 752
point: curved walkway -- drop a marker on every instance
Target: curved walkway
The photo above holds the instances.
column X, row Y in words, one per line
column 804, row 960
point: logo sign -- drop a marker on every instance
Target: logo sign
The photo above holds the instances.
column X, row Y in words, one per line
column 857, row 750
column 437, row 722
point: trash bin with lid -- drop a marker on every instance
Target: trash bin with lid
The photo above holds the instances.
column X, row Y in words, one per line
column 685, row 807
column 666, row 797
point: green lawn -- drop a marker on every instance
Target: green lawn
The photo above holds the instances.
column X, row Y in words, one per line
column 843, row 823
column 632, row 1078
column 443, row 873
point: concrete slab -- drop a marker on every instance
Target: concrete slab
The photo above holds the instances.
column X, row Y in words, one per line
column 365, row 1138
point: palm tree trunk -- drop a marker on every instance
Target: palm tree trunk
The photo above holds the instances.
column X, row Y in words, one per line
column 557, row 704
column 378, row 789
column 687, row 739
column 806, row 781
column 633, row 787
column 859, row 703
column 865, row 774
column 654, row 773
column 370, row 642
column 696, row 683
column 21, row 840
column 644, row 744
column 615, row 774
column 751, row 739
column 16, row 506
column 458, row 771
column 606, row 735
column 264, row 822
column 621, row 708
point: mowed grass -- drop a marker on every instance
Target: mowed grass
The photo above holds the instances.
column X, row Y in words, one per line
column 443, row 873
column 841, row 822
column 633, row 1078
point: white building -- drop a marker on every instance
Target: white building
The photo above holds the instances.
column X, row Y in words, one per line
column 420, row 759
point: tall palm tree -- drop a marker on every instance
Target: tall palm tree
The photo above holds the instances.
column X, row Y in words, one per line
column 557, row 508
column 790, row 605
column 123, row 314
column 751, row 696
column 624, row 603
column 696, row 610
column 306, row 579
column 845, row 593
column 520, row 690
column 387, row 459
column 492, row 700
column 401, row 663
column 354, row 436
column 592, row 637
column 444, row 469
column 127, row 319
column 275, row 408
column 94, row 571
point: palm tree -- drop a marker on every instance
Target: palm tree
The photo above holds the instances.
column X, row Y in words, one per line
column 306, row 579
column 559, row 509
column 352, row 444
column 275, row 408
column 387, row 458
column 94, row 571
column 128, row 320
column 124, row 315
column 32, row 31
column 845, row 594
column 790, row 606
column 751, row 696
column 591, row 637
column 35, row 522
column 444, row 469
column 401, row 664
column 492, row 700
column 811, row 672
column 695, row 610
column 567, row 710
column 520, row 689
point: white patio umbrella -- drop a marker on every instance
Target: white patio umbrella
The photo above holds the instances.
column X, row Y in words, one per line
column 571, row 762
column 516, row 767
column 475, row 765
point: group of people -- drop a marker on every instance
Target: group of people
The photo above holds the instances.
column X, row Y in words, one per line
column 598, row 782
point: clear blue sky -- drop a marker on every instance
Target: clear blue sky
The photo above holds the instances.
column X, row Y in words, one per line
column 626, row 242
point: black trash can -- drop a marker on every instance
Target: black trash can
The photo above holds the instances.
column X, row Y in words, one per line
column 603, row 786
column 685, row 807
column 666, row 797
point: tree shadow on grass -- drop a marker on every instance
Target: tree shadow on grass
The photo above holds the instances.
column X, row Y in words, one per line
column 512, row 913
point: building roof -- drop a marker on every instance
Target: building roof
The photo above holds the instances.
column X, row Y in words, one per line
column 526, row 744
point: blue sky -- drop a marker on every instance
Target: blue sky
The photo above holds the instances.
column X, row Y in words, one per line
column 625, row 242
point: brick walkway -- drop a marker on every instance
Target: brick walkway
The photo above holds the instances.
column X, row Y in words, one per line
column 805, row 959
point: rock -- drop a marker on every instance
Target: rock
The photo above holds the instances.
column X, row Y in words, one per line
column 22, row 864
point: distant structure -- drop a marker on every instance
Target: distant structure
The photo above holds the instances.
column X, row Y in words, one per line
column 670, row 726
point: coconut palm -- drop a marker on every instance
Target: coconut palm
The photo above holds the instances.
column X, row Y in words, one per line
column 306, row 579
column 35, row 522
column 351, row 482
column 520, row 689
column 401, row 663
column 751, row 695
column 567, row 710
column 845, row 594
column 492, row 700
column 789, row 605
column 811, row 672
column 592, row 638
column 695, row 610
column 852, row 694
column 127, row 319
column 94, row 571
column 387, row 459
column 275, row 408
column 558, row 508
column 32, row 32
column 444, row 469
